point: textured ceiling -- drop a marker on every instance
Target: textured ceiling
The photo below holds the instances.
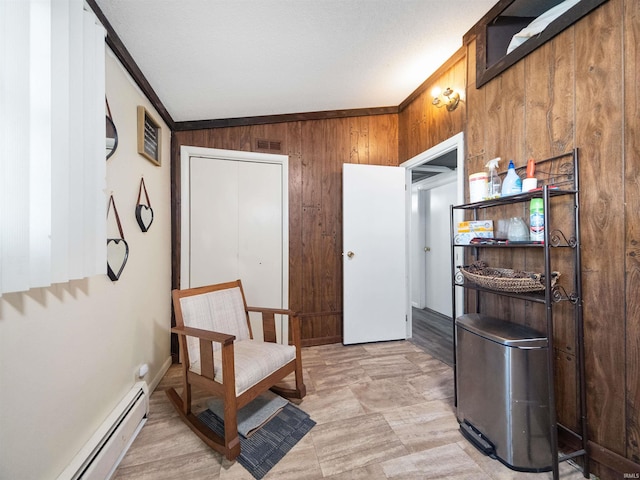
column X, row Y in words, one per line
column 214, row 59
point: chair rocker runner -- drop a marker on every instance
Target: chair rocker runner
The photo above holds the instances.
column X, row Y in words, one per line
column 220, row 356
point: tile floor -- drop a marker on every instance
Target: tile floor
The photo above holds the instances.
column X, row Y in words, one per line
column 383, row 411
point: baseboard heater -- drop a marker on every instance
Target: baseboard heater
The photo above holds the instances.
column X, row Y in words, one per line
column 101, row 455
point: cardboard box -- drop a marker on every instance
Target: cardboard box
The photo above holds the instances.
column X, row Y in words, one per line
column 465, row 231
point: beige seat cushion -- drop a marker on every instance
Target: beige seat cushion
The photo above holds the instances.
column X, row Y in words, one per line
column 254, row 360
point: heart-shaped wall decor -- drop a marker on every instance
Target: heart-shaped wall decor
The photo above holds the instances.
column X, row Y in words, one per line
column 117, row 254
column 144, row 216
column 144, row 213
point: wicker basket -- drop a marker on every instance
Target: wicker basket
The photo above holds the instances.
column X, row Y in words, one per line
column 503, row 279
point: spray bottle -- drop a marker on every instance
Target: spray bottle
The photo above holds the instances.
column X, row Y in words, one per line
column 494, row 182
column 512, row 184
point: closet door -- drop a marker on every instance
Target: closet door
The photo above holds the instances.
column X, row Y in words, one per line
column 236, row 226
column 214, row 225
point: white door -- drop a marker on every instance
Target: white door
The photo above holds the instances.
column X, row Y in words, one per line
column 438, row 248
column 374, row 262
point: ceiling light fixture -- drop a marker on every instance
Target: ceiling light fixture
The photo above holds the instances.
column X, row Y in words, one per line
column 449, row 98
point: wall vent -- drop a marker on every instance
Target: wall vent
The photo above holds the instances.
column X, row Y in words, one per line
column 269, row 145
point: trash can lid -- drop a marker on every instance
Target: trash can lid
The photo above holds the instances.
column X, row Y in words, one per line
column 502, row 332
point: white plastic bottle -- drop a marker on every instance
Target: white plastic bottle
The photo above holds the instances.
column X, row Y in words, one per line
column 512, row 184
column 494, row 182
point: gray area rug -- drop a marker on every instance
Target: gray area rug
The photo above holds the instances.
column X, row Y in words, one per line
column 269, row 444
column 253, row 415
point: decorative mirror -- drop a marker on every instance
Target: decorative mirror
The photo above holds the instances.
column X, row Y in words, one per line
column 112, row 133
column 144, row 213
column 117, row 248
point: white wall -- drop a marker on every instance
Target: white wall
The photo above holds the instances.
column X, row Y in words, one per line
column 70, row 352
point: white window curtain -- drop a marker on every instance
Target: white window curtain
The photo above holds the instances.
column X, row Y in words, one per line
column 52, row 144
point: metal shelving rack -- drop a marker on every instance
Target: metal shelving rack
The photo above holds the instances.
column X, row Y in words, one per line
column 562, row 181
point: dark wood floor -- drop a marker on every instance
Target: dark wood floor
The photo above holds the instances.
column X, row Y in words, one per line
column 433, row 332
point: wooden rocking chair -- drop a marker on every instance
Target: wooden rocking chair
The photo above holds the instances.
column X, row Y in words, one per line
column 220, row 356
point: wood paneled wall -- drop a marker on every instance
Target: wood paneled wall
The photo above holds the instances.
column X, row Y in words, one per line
column 581, row 90
column 317, row 149
column 422, row 125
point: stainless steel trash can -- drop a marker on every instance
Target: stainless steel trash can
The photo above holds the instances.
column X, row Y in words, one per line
column 502, row 390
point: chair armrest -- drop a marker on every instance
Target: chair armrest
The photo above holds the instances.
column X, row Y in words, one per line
column 208, row 335
column 268, row 322
column 275, row 311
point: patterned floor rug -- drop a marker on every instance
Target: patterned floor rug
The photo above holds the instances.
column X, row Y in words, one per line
column 252, row 416
column 270, row 443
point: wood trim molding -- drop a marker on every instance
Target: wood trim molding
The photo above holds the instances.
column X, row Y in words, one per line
column 289, row 117
column 312, row 342
column 490, row 15
column 121, row 52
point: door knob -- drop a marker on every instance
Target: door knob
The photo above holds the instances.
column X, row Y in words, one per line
column 427, row 249
column 350, row 254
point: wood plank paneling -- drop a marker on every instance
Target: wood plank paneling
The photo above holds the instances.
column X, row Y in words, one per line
column 338, row 134
column 505, row 117
column 549, row 126
column 632, row 224
column 383, row 140
column 599, row 137
column 296, row 266
column 412, row 116
column 475, row 140
column 548, row 77
column 566, row 394
column 422, row 125
column 313, row 151
column 475, row 129
column 504, row 134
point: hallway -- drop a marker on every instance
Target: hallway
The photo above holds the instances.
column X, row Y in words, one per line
column 433, row 332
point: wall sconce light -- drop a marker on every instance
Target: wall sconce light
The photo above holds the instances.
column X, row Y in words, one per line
column 448, row 98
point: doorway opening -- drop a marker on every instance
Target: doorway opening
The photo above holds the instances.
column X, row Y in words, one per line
column 436, row 177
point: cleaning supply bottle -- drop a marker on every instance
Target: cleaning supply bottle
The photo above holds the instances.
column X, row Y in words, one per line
column 531, row 182
column 536, row 220
column 512, row 184
column 494, row 182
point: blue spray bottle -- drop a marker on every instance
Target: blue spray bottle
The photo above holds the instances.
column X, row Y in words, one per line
column 512, row 183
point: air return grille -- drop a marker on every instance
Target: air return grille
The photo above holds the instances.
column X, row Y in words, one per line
column 269, row 145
